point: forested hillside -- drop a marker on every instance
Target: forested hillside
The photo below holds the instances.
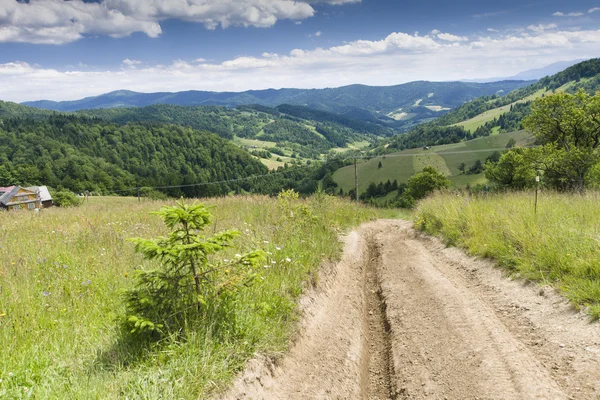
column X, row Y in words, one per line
column 88, row 154
column 493, row 114
column 309, row 133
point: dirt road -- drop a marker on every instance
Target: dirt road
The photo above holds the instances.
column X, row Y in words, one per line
column 403, row 317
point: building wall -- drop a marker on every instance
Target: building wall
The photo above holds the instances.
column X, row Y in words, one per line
column 23, row 198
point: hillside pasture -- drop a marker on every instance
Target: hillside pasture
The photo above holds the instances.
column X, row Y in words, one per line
column 402, row 165
column 472, row 124
column 63, row 272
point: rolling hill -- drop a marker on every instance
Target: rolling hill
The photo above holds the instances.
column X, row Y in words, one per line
column 474, row 129
column 493, row 114
column 398, row 106
column 400, row 166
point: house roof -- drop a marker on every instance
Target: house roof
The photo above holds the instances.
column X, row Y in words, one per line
column 6, row 194
column 42, row 191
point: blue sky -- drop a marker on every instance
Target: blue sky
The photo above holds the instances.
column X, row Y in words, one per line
column 63, row 50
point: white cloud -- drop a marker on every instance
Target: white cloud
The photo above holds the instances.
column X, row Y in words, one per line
column 571, row 14
column 542, row 27
column 318, row 33
column 397, row 58
column 59, row 21
column 593, row 10
column 452, row 38
column 492, row 30
column 129, row 62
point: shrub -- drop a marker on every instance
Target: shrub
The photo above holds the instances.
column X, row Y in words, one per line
column 190, row 288
column 66, row 198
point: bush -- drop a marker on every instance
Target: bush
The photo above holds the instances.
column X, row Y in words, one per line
column 66, row 198
column 190, row 288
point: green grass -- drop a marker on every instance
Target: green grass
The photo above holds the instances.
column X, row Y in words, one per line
column 62, row 272
column 472, row 124
column 559, row 247
column 402, row 165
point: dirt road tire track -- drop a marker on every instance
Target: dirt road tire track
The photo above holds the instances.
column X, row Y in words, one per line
column 402, row 316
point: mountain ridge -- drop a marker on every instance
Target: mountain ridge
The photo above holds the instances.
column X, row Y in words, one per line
column 408, row 101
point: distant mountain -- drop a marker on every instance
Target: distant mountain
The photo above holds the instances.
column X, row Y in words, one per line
column 533, row 74
column 495, row 114
column 552, row 69
column 400, row 105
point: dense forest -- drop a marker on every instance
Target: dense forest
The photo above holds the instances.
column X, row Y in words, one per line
column 87, row 154
column 80, row 154
column 304, row 131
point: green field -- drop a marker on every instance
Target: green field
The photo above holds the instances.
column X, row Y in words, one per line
column 472, row 124
column 62, row 276
column 558, row 246
column 402, row 165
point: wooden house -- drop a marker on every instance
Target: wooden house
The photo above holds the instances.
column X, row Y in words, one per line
column 43, row 194
column 18, row 198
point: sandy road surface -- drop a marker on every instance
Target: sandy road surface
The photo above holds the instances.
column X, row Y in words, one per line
column 403, row 317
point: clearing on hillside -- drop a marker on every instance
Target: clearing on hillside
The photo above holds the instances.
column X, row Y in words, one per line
column 446, row 159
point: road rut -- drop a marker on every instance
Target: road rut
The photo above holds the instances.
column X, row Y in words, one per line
column 403, row 317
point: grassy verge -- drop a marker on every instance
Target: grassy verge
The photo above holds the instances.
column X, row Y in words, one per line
column 62, row 272
column 560, row 246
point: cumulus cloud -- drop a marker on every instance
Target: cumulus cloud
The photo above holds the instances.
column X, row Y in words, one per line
column 593, row 10
column 542, row 27
column 397, row 58
column 130, row 63
column 451, row 38
column 60, row 21
column 571, row 14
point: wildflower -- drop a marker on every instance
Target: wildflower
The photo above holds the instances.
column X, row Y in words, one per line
column 46, row 294
column 288, row 259
column 86, row 283
column 273, row 262
column 265, row 241
column 10, row 374
column 2, row 315
column 238, row 255
column 277, row 247
column 125, row 274
column 568, row 255
column 225, row 260
column 266, row 266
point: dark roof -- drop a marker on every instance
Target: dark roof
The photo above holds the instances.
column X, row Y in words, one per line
column 10, row 192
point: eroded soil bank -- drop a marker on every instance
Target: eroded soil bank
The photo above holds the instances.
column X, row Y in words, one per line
column 403, row 317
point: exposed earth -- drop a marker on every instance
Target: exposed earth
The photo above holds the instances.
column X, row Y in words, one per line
column 403, row 317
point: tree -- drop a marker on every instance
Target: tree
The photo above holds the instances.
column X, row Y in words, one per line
column 514, row 170
column 380, row 165
column 421, row 185
column 189, row 286
column 476, row 168
column 461, row 167
column 511, row 142
column 568, row 128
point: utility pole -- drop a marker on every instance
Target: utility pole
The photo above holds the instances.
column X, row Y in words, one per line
column 537, row 187
column 139, row 197
column 356, row 179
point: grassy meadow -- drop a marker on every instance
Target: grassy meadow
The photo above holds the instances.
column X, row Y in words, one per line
column 62, row 273
column 404, row 164
column 560, row 246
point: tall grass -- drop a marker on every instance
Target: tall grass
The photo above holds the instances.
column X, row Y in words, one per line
column 559, row 246
column 62, row 273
